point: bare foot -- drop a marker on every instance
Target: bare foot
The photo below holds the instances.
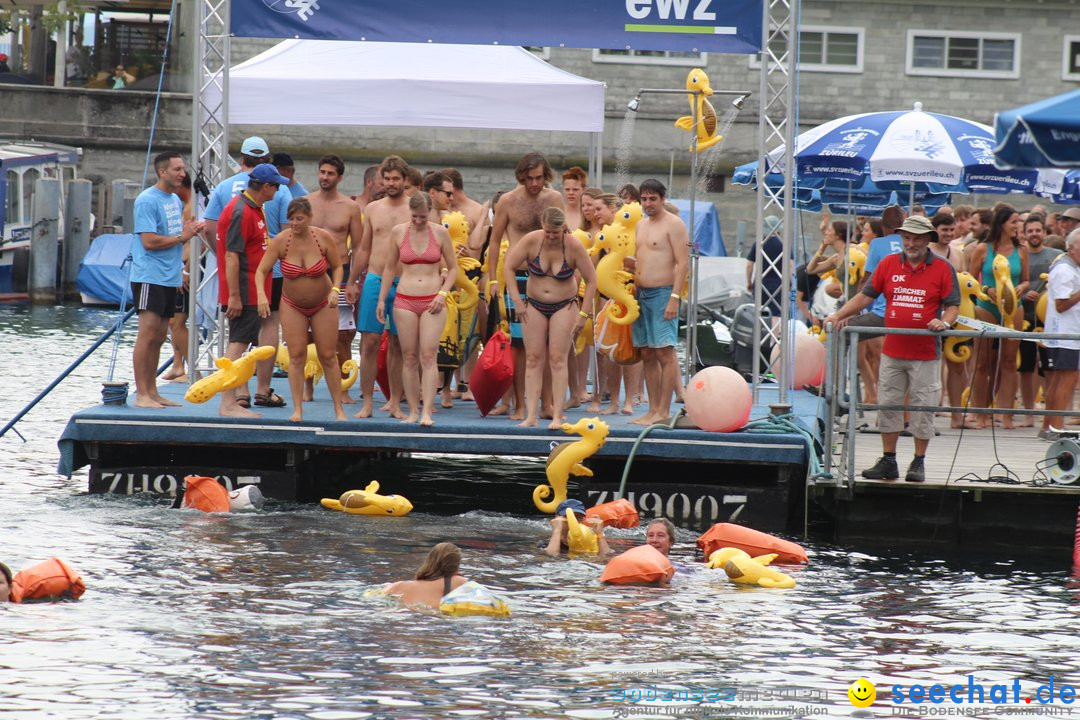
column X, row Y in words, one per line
column 545, row 413
column 141, row 401
column 347, row 399
column 1025, row 422
column 385, row 407
column 609, row 410
column 628, row 409
column 413, row 417
column 237, row 411
column 309, row 395
column 298, row 416
column 426, row 422
column 500, row 410
column 467, row 396
column 174, row 373
column 637, row 400
column 519, row 415
column 573, row 404
column 166, row 403
column 365, row 410
column 556, row 424
column 395, row 412
column 594, row 406
column 446, row 403
column 527, row 423
column 647, row 419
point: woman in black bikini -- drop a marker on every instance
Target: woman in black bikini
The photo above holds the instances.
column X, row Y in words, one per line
column 550, row 315
column 435, row 578
column 308, row 300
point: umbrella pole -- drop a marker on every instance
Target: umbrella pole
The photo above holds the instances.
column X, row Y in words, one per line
column 911, row 197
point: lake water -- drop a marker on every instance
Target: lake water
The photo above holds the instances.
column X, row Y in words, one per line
column 263, row 615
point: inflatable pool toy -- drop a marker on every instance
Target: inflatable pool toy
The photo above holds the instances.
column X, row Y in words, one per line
column 718, row 399
column 206, row 494
column 369, row 502
column 753, row 542
column 643, row 564
column 584, row 238
column 619, row 239
column 350, row 371
column 565, row 460
column 51, row 579
column 958, row 349
column 458, row 227
column 449, row 353
column 231, row 374
column 619, row 513
column 472, row 598
column 493, row 374
column 612, row 339
column 856, row 264
column 720, row 558
column 818, row 331
column 382, row 374
column 747, row 571
column 1040, row 305
column 1004, row 292
column 706, row 129
column 246, row 497
column 313, row 369
column 579, row 538
column 809, row 365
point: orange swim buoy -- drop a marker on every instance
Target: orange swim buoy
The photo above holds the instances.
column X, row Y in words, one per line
column 753, row 542
column 206, row 494
column 493, row 375
column 619, row 513
column 382, row 374
column 52, row 579
column 643, row 564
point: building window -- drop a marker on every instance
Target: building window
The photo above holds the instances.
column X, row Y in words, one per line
column 651, row 57
column 989, row 55
column 824, row 49
column 544, row 53
column 1070, row 60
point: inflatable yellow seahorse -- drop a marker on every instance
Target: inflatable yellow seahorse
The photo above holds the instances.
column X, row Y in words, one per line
column 313, row 368
column 232, row 374
column 467, row 292
column 856, row 263
column 719, row 558
column 579, row 538
column 620, row 240
column 746, row 570
column 706, row 129
column 565, row 460
column 369, row 502
column 1040, row 306
column 1005, row 293
column 959, row 349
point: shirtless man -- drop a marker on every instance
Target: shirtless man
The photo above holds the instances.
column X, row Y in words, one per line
column 340, row 216
column 663, row 250
column 370, row 255
column 414, row 181
column 518, row 213
column 441, row 191
column 372, row 187
column 574, row 180
column 472, row 210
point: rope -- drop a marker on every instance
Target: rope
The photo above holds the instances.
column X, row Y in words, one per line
column 785, row 424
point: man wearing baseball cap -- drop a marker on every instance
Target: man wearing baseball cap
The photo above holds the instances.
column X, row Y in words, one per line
column 920, row 291
column 557, row 543
column 285, row 165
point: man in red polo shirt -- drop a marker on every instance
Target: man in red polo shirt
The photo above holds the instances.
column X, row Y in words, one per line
column 918, row 288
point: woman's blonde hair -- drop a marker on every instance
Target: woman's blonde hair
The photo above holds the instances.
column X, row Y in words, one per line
column 553, row 218
column 420, row 201
column 444, row 560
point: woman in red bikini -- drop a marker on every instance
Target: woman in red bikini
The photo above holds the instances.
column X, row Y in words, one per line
column 308, row 300
column 419, row 249
column 550, row 315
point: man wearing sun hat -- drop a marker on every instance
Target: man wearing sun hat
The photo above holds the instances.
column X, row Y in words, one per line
column 1069, row 221
column 557, row 543
column 920, row 291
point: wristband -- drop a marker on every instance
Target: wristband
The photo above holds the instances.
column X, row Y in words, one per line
column 443, row 293
column 584, row 314
column 676, row 296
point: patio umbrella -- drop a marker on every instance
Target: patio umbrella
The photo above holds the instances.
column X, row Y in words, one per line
column 947, row 153
column 1042, row 134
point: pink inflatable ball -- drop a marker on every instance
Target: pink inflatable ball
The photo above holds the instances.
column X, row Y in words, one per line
column 718, row 399
column 809, row 365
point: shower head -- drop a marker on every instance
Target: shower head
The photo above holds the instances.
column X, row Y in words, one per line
column 634, row 104
column 738, row 102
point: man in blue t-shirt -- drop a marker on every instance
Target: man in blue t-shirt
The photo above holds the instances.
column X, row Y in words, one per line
column 253, row 152
column 284, row 164
column 156, row 266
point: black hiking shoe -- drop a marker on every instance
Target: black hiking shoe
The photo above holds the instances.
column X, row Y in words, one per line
column 884, row 469
column 916, row 472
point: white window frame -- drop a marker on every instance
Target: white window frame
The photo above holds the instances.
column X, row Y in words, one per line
column 1065, row 74
column 700, row 61
column 909, row 59
column 755, row 60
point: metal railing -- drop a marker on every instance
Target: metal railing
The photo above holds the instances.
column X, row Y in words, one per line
column 841, row 389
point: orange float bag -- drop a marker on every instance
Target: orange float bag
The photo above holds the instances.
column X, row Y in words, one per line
column 643, row 564
column 52, row 579
column 753, row 542
column 382, row 375
column 619, row 513
column 493, row 374
column 614, row 341
column 206, row 494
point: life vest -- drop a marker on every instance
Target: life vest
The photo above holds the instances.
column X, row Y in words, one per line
column 52, row 579
column 643, row 564
column 206, row 494
column 493, row 375
column 619, row 513
column 754, row 542
column 472, row 598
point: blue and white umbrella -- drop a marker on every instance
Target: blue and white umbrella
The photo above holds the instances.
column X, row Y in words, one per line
column 946, row 153
column 1042, row 134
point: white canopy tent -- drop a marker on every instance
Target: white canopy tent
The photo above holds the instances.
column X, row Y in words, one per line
column 333, row 82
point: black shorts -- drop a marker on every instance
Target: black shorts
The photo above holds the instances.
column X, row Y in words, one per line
column 158, row 299
column 275, row 293
column 245, row 327
column 1062, row 359
column 1030, row 353
column 181, row 306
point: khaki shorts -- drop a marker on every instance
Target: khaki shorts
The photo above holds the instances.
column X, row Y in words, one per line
column 920, row 380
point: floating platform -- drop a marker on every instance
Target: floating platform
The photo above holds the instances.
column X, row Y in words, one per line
column 694, row 477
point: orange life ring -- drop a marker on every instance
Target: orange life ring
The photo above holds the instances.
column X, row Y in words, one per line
column 643, row 564
column 52, row 579
column 753, row 542
column 619, row 513
column 206, row 494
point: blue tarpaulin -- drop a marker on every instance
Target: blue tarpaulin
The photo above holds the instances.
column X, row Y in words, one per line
column 707, row 235
column 103, row 273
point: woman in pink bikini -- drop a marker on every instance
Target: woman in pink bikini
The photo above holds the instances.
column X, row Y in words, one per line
column 419, row 249
column 308, row 300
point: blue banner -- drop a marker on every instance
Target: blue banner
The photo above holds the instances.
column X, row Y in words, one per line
column 721, row 26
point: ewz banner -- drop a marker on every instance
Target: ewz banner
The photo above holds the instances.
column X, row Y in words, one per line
column 721, row 26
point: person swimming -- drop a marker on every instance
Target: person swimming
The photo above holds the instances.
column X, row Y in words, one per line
column 557, row 544
column 435, row 578
column 5, row 583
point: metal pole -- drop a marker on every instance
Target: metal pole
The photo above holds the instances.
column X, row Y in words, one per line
column 852, row 368
column 691, row 311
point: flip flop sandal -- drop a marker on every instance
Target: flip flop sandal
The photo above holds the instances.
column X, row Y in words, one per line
column 270, row 399
column 244, row 401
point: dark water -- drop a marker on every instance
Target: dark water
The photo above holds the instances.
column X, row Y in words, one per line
column 263, row 615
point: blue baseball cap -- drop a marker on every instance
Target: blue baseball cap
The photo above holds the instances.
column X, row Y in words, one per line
column 268, row 174
column 255, row 146
column 576, row 505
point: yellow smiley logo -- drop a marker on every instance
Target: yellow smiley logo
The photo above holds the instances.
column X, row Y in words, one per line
column 862, row 693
